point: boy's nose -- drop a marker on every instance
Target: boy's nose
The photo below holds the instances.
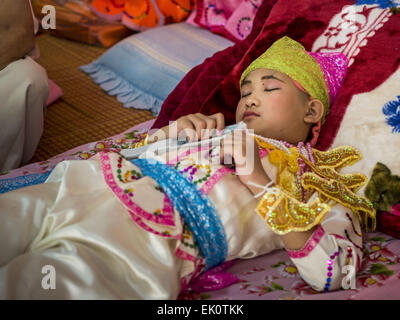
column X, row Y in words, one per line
column 252, row 102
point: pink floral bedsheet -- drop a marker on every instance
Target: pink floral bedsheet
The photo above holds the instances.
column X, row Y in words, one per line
column 274, row 277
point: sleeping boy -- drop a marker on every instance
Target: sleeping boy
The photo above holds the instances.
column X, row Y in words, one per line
column 143, row 229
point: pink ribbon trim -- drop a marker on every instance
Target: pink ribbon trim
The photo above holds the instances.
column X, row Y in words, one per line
column 309, row 246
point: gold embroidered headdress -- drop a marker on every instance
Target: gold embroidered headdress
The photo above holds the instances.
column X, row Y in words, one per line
column 320, row 74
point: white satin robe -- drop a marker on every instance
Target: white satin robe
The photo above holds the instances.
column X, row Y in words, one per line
column 75, row 223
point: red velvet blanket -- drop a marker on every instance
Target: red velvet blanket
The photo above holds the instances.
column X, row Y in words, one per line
column 213, row 86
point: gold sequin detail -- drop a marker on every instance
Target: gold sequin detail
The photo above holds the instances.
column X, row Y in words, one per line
column 337, row 191
column 336, row 158
column 283, row 214
column 287, row 212
column 353, row 181
column 142, row 142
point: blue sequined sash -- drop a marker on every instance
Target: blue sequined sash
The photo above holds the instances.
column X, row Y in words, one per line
column 195, row 208
column 11, row 184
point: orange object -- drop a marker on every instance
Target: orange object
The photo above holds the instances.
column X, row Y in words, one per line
column 143, row 14
column 109, row 9
column 175, row 10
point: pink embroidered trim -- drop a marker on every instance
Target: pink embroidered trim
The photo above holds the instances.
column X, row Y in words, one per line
column 309, row 246
column 166, row 219
column 186, row 153
column 209, row 184
column 139, row 221
column 184, row 255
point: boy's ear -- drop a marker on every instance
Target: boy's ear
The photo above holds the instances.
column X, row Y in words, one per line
column 315, row 111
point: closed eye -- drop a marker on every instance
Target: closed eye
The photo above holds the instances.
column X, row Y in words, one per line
column 273, row 89
column 245, row 94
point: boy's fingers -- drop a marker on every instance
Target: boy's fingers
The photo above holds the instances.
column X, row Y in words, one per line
column 220, row 119
column 199, row 124
column 186, row 129
column 158, row 135
column 195, row 126
column 211, row 125
column 173, row 130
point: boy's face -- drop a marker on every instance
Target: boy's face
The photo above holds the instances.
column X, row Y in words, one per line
column 272, row 105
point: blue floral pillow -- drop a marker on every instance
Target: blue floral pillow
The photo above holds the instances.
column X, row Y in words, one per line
column 144, row 68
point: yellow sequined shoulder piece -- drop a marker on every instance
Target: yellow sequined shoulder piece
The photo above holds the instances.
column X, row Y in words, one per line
column 341, row 188
column 287, row 212
column 336, row 158
column 284, row 214
column 327, row 168
column 337, row 191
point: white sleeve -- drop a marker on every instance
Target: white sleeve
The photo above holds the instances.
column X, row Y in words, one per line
column 332, row 255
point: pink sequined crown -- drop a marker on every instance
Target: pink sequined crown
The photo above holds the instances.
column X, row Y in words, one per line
column 334, row 66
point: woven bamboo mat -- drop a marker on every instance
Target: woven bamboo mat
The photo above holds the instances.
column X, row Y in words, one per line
column 85, row 113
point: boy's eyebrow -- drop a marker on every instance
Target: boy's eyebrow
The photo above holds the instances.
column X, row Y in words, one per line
column 271, row 77
column 267, row 77
column 244, row 82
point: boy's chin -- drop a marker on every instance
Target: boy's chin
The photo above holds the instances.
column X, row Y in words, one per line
column 251, row 122
column 252, row 125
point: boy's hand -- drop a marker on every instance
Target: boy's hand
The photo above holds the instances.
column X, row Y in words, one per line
column 194, row 126
column 243, row 150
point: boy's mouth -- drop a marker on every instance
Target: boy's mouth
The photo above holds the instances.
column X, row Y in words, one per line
column 249, row 114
